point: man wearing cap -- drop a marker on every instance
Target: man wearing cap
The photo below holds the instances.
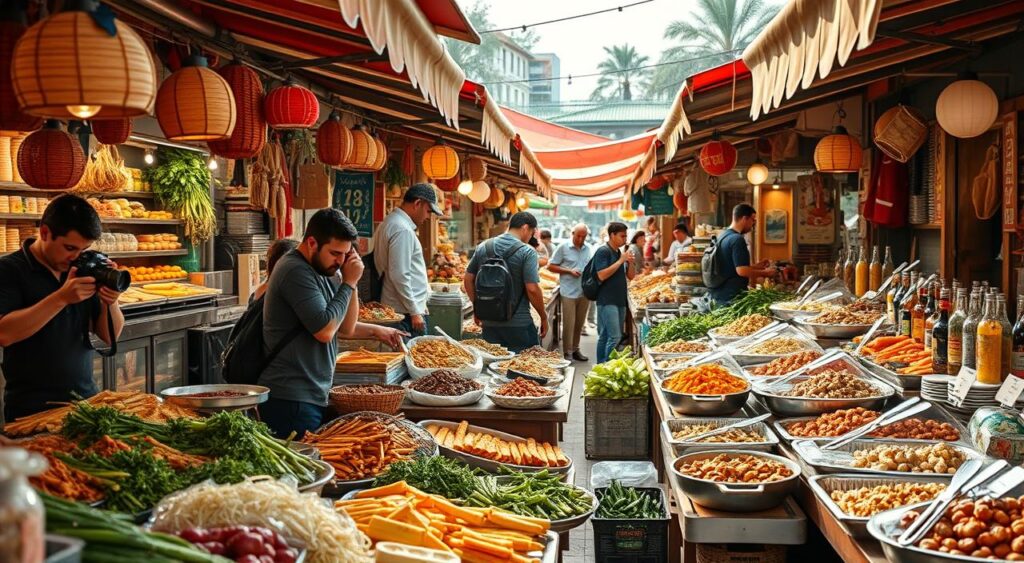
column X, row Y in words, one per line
column 398, row 256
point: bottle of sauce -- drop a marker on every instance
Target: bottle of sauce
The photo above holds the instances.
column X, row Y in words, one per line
column 907, row 306
column 970, row 334
column 861, row 283
column 989, row 344
column 890, row 296
column 917, row 315
column 849, row 269
column 837, row 271
column 940, row 335
column 897, row 299
column 955, row 346
column 875, row 271
column 931, row 313
column 887, row 265
column 1017, row 353
column 1007, row 333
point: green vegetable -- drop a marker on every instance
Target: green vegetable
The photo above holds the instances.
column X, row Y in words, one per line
column 628, row 503
column 540, row 495
column 689, row 327
column 182, row 182
column 621, row 377
column 438, row 475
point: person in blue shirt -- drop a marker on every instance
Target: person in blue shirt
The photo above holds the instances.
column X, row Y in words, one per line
column 614, row 269
column 734, row 256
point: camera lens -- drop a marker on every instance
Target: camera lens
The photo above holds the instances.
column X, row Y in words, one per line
column 118, row 280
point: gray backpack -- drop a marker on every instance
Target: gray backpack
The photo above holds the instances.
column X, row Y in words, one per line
column 711, row 264
column 494, row 300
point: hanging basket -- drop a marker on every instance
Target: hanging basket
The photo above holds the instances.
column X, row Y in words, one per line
column 111, row 131
column 900, row 132
column 51, row 159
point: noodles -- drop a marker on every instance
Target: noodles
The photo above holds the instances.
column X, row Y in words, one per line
column 328, row 536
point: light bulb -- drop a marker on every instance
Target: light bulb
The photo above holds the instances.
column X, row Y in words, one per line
column 465, row 187
column 83, row 111
column 522, row 201
column 148, row 157
column 212, row 165
column 757, row 174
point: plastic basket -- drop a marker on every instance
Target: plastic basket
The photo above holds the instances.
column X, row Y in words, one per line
column 617, row 428
column 632, row 541
column 344, row 401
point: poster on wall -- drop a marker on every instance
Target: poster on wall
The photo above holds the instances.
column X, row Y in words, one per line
column 775, row 221
column 353, row 194
column 815, row 211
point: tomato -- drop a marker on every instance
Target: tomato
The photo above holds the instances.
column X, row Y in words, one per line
column 245, row 543
column 214, row 547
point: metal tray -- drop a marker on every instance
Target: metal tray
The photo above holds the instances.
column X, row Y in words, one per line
column 934, row 412
column 790, row 314
column 804, row 406
column 904, row 381
column 735, row 497
column 857, row 526
column 838, row 461
column 832, row 331
column 723, row 339
column 324, row 476
column 685, row 446
column 254, row 395
column 490, row 465
column 885, row 527
column 705, row 405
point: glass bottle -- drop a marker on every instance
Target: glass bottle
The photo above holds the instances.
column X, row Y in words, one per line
column 917, row 314
column 989, row 344
column 849, row 269
column 861, row 283
column 970, row 332
column 931, row 313
column 940, row 335
column 955, row 346
column 875, row 271
column 890, row 296
column 897, row 299
column 907, row 306
column 1007, row 334
column 23, row 527
column 887, row 264
column 838, row 269
column 1017, row 353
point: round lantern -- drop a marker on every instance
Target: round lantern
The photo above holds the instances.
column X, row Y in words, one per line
column 364, row 150
column 465, row 187
column 51, row 159
column 757, row 174
column 111, row 131
column 67, row 66
column 291, row 107
column 475, row 168
column 480, row 192
column 495, row 200
column 11, row 116
column 679, row 201
column 196, row 104
column 250, row 133
column 440, row 162
column 382, row 155
column 522, row 200
column 837, row 153
column 717, row 157
column 627, row 215
column 966, row 108
column 333, row 141
column 452, row 185
column 657, row 183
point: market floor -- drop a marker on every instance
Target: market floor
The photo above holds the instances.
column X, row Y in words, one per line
column 581, row 540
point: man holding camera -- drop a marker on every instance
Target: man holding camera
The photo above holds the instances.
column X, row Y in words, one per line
column 48, row 309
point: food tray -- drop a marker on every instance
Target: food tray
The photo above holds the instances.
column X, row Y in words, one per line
column 832, row 331
column 416, row 372
column 254, row 395
column 790, row 314
column 523, row 403
column 324, row 475
column 934, row 412
column 685, row 446
column 428, row 400
column 857, row 526
column 735, row 497
column 566, row 524
column 722, row 340
column 498, row 379
column 838, row 460
column 706, row 405
column 885, row 527
column 489, row 465
column 804, row 406
column 497, row 368
column 904, row 381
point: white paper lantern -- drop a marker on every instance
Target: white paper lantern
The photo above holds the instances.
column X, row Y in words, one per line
column 481, row 191
column 757, row 174
column 966, row 108
column 465, row 187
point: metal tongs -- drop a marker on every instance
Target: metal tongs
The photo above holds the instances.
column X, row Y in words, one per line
column 810, row 292
column 764, row 334
column 969, row 476
column 827, row 358
column 804, row 284
column 870, row 334
column 727, row 427
column 870, row 295
column 827, row 298
column 907, row 408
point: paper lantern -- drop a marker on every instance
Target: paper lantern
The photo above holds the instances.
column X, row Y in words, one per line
column 627, row 215
column 66, row 66
column 465, row 187
column 717, row 157
column 15, row 147
column 382, row 155
column 291, row 107
column 250, row 132
column 11, row 116
column 495, row 200
column 333, row 141
column 51, row 159
column 440, row 162
column 452, row 185
column 966, row 108
column 196, row 104
column 522, row 200
column 481, row 191
column 364, row 150
column 679, row 201
column 757, row 174
column 837, row 153
column 475, row 168
column 111, row 131
column 657, row 183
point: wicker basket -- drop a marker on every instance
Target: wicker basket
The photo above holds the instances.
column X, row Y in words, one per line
column 344, row 401
column 900, row 132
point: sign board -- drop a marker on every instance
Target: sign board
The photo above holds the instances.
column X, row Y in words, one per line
column 1009, row 175
column 353, row 195
column 815, row 211
column 658, row 202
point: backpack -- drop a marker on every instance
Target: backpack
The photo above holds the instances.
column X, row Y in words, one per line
column 711, row 265
column 589, row 281
column 493, row 285
column 243, row 359
column 376, row 278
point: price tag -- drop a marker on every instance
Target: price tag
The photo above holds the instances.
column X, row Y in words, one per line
column 962, row 385
column 1010, row 391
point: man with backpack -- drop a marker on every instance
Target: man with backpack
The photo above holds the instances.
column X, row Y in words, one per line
column 503, row 282
column 726, row 264
column 612, row 269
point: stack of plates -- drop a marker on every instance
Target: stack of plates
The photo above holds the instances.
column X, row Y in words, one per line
column 935, row 387
column 980, row 395
column 918, row 209
column 244, row 223
column 250, row 244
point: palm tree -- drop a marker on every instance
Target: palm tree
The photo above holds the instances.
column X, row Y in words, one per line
column 621, row 73
column 716, row 32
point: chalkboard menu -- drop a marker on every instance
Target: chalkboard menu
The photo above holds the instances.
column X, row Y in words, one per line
column 658, row 202
column 353, row 195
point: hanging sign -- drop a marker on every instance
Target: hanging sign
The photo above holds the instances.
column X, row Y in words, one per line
column 353, row 195
column 1009, row 175
column 658, row 202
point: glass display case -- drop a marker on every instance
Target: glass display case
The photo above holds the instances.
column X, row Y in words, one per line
column 98, row 363
column 131, row 366
column 169, row 360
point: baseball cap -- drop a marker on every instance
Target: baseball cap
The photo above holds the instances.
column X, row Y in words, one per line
column 425, row 192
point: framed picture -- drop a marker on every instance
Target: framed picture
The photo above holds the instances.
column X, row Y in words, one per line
column 775, row 222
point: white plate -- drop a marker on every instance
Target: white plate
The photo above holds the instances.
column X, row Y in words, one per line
column 428, row 400
column 523, row 403
column 416, row 372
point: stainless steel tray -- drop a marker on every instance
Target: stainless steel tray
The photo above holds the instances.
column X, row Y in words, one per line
column 934, row 412
column 735, row 497
column 490, row 465
column 857, row 526
column 679, row 447
column 831, row 331
column 903, row 381
column 790, row 314
column 781, row 405
column 705, row 405
column 885, row 527
column 838, row 460
column 253, row 395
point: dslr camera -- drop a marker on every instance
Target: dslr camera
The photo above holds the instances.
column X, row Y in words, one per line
column 94, row 264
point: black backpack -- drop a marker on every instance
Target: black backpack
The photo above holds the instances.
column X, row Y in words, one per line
column 494, row 286
column 711, row 266
column 243, row 359
column 589, row 280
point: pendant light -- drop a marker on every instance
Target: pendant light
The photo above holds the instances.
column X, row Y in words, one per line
column 465, row 187
column 475, row 168
column 440, row 161
column 291, row 107
column 757, row 173
column 333, row 141
column 717, row 156
column 966, row 108
column 364, row 150
column 480, row 192
column 196, row 104
column 111, row 131
column 839, row 152
column 51, row 158
column 11, row 116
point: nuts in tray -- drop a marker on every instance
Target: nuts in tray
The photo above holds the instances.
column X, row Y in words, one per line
column 492, row 349
column 859, row 313
column 986, row 527
column 735, row 435
column 932, row 458
column 708, row 379
column 832, row 424
column 833, row 385
column 373, row 311
column 538, row 352
column 744, row 326
column 520, row 387
column 776, row 346
column 445, row 383
column 439, row 353
column 527, row 364
column 728, row 468
column 865, row 502
column 673, row 362
column 917, row 429
column 785, row 364
column 682, row 347
column 794, row 306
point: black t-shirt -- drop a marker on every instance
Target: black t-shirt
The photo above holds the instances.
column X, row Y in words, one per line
column 55, row 363
column 613, row 289
column 733, row 253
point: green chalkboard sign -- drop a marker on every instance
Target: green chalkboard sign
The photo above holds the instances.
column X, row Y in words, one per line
column 658, row 202
column 353, row 194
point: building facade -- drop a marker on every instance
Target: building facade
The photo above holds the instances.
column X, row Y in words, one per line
column 544, row 67
column 513, row 65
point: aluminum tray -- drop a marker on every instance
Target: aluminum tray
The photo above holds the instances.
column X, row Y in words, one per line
column 885, row 527
column 804, row 406
column 723, row 340
column 735, row 497
column 490, row 465
column 706, row 405
column 832, row 331
column 790, row 314
column 857, row 526
column 323, row 476
column 681, row 447
column 838, row 461
column 904, row 381
column 934, row 412
column 254, row 395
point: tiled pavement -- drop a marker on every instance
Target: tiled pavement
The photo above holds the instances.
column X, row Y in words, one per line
column 581, row 540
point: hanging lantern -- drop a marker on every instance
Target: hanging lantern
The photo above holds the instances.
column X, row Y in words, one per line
column 111, row 131
column 11, row 116
column 837, row 153
column 475, row 168
column 657, row 183
column 364, row 150
column 250, row 132
column 465, row 187
column 196, row 104
column 51, row 159
column 757, row 174
column 452, row 185
column 440, row 162
column 717, row 157
column 67, row 66
column 627, row 215
column 382, row 155
column 522, row 200
column 291, row 107
column 495, row 200
column 679, row 201
column 966, row 108
column 481, row 191
column 333, row 141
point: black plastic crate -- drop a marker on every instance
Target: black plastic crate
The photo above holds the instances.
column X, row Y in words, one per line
column 632, row 541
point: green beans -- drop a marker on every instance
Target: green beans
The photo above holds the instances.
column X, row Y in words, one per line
column 628, row 503
column 688, row 327
column 540, row 495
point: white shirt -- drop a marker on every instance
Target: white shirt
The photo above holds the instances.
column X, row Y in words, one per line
column 398, row 256
column 676, row 248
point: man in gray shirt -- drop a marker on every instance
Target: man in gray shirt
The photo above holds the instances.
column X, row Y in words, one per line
column 313, row 288
column 568, row 262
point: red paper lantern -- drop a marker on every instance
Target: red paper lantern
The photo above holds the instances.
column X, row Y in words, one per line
column 448, row 184
column 250, row 133
column 333, row 141
column 51, row 159
column 717, row 157
column 11, row 116
column 111, row 131
column 657, row 183
column 679, row 200
column 291, row 107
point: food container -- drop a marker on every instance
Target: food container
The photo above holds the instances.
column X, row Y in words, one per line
column 857, row 526
column 468, row 371
column 63, row 549
column 885, row 527
column 770, row 393
column 391, row 552
column 253, row 395
column 706, row 405
column 22, row 519
column 566, row 524
column 832, row 331
column 898, row 379
column 489, row 465
column 790, row 314
column 735, row 497
column 740, row 350
column 722, row 339
column 840, row 459
column 323, row 476
column 523, row 403
column 428, row 400
column 682, row 446
column 932, row 413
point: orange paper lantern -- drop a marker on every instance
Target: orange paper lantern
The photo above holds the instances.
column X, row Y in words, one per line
column 679, row 200
column 440, row 162
column 364, row 150
column 250, row 132
column 51, row 159
column 333, row 141
column 382, row 155
column 11, row 116
column 475, row 168
column 111, row 131
column 837, row 153
column 196, row 104
column 718, row 157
